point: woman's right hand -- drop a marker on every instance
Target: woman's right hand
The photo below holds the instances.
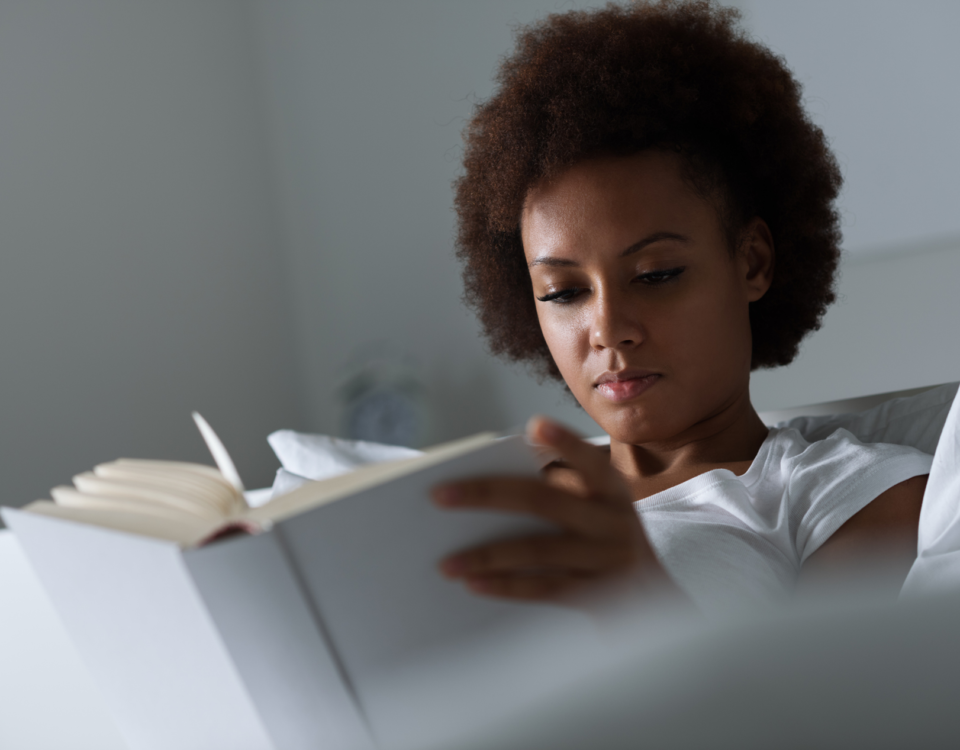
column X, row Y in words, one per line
column 600, row 544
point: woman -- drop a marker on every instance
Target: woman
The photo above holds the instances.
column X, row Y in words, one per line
column 647, row 214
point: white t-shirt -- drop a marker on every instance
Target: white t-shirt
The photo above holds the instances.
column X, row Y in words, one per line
column 728, row 540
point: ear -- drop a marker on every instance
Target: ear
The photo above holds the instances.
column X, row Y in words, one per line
column 756, row 258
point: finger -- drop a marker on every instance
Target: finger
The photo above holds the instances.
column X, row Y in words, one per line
column 535, row 497
column 556, row 553
column 529, row 588
column 592, row 462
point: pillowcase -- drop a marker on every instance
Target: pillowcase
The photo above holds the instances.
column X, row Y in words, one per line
column 306, row 456
column 916, row 421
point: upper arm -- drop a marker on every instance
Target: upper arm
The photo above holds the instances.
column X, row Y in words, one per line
column 885, row 529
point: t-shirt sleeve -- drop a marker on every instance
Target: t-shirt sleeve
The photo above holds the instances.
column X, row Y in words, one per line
column 834, row 478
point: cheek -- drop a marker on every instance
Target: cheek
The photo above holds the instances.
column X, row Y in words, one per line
column 714, row 336
column 567, row 336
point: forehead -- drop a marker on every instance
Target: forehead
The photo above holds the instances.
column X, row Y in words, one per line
column 612, row 197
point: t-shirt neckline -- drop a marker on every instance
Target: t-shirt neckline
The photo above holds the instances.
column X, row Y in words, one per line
column 752, row 476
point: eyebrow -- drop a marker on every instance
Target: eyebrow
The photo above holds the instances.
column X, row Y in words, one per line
column 546, row 260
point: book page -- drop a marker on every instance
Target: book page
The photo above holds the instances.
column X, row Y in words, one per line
column 184, row 530
column 176, row 501
column 193, row 485
column 71, row 497
column 188, row 504
column 142, row 495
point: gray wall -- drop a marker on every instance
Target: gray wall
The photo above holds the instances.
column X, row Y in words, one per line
column 366, row 102
column 140, row 263
column 221, row 205
column 893, row 327
column 881, row 78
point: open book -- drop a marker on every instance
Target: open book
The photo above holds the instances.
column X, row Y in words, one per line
column 315, row 630
column 191, row 504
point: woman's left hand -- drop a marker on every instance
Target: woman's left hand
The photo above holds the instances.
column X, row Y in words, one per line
column 600, row 540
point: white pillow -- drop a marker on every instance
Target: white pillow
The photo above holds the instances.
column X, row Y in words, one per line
column 930, row 422
column 916, row 421
column 911, row 420
column 306, row 456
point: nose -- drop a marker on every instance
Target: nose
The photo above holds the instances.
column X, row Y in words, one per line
column 615, row 322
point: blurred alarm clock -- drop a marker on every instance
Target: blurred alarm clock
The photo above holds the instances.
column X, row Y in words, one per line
column 383, row 401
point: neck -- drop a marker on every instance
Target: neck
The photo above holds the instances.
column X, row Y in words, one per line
column 729, row 437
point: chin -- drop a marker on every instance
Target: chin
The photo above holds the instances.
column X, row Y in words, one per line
column 633, row 424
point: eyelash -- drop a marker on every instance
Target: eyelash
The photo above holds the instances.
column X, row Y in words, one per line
column 653, row 278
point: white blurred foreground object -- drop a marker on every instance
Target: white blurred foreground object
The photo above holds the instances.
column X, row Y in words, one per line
column 847, row 674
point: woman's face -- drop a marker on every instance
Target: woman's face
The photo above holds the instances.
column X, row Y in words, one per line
column 641, row 302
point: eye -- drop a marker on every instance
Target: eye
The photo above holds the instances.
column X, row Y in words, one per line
column 655, row 278
column 561, row 297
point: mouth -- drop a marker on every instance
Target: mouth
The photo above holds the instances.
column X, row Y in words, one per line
column 625, row 385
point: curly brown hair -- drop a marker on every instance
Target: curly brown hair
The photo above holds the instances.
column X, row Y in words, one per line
column 671, row 74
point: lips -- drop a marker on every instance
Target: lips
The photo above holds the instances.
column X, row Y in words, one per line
column 625, row 385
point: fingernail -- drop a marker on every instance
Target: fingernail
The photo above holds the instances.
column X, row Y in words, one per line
column 452, row 566
column 447, row 495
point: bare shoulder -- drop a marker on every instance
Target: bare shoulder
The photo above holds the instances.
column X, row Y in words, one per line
column 892, row 515
column 886, row 527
